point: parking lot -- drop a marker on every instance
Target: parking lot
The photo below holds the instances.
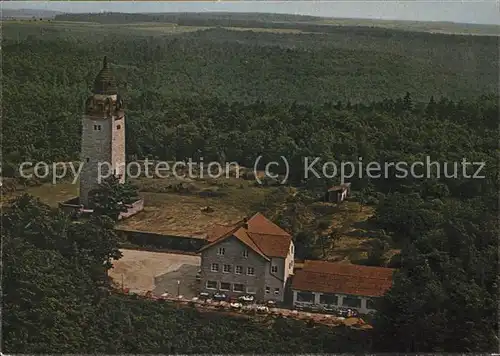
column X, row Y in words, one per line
column 262, row 310
column 158, row 272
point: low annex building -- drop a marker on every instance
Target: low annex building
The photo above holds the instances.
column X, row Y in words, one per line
column 253, row 256
column 340, row 285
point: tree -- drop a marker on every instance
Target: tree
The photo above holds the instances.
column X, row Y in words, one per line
column 335, row 236
column 407, row 102
column 377, row 251
column 49, row 276
column 363, row 198
column 112, row 198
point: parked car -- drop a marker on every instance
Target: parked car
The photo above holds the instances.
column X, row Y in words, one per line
column 353, row 313
column 235, row 305
column 247, row 298
column 220, row 296
column 348, row 313
column 330, row 309
column 204, row 296
column 262, row 309
column 343, row 312
column 299, row 306
column 317, row 308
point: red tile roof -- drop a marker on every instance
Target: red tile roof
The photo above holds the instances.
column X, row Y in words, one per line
column 258, row 233
column 217, row 231
column 343, row 278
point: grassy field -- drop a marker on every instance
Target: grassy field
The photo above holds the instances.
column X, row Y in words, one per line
column 81, row 28
column 178, row 207
column 50, row 194
column 427, row 26
column 352, row 224
column 163, row 28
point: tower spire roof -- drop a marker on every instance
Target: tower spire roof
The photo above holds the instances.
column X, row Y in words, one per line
column 105, row 82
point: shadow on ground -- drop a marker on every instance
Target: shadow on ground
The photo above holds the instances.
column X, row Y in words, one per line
column 168, row 282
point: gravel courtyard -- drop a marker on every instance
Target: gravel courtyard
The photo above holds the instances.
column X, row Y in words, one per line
column 143, row 271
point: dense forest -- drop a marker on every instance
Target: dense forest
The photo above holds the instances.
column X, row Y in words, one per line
column 229, row 95
column 55, row 300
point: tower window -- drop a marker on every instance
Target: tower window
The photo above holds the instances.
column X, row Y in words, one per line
column 118, row 127
column 97, row 127
column 88, row 159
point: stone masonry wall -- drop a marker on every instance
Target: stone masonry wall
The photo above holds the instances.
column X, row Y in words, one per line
column 104, row 145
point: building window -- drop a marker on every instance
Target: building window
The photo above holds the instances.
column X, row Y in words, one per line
column 291, row 248
column 225, row 286
column 250, row 271
column 276, row 291
column 88, row 159
column 221, row 251
column 352, row 302
column 370, row 304
column 97, row 127
column 305, row 297
column 118, row 127
column 226, row 269
column 245, row 253
column 215, row 267
column 290, row 265
column 239, row 270
column 268, row 290
column 251, row 290
column 237, row 287
column 330, row 299
column 211, row 285
column 274, row 269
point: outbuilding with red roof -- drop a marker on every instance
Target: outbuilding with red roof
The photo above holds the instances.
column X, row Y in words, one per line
column 340, row 285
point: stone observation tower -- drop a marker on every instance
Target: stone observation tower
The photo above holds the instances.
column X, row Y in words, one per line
column 103, row 134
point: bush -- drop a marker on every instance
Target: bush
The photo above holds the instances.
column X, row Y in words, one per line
column 395, row 261
column 211, row 193
column 248, row 176
column 323, row 224
column 324, row 208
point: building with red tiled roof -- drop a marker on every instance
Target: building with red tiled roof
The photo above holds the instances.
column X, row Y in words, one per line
column 253, row 256
column 340, row 285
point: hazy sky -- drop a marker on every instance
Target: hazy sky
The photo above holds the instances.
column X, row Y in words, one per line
column 482, row 11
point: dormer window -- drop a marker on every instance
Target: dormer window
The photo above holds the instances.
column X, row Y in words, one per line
column 274, row 269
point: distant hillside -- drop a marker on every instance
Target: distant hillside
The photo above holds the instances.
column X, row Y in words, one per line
column 280, row 21
column 28, row 13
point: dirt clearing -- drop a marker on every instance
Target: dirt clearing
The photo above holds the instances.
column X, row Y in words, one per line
column 143, row 271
